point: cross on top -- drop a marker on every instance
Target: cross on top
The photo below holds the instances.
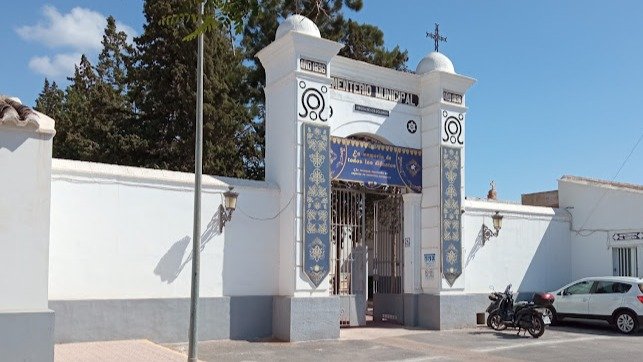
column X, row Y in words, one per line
column 436, row 36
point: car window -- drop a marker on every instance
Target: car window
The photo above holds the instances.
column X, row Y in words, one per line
column 579, row 288
column 605, row 287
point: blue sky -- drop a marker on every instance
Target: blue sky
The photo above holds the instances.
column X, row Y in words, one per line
column 558, row 82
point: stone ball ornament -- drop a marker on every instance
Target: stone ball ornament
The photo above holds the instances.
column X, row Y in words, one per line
column 435, row 61
column 298, row 24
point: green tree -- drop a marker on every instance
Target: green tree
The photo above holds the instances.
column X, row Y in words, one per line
column 163, row 87
column 362, row 41
column 94, row 113
column 51, row 100
column 366, row 43
column 75, row 139
column 115, row 128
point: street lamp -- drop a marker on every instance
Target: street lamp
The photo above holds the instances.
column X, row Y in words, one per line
column 497, row 225
column 228, row 206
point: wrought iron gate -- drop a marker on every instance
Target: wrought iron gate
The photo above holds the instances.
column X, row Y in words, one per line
column 349, row 254
column 388, row 260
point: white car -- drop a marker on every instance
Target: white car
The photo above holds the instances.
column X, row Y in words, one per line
column 617, row 300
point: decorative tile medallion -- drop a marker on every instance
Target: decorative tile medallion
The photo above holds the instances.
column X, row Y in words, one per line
column 313, row 102
column 411, row 126
column 451, row 225
column 452, row 129
column 316, row 206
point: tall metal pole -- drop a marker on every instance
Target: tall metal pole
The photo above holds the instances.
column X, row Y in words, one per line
column 196, row 232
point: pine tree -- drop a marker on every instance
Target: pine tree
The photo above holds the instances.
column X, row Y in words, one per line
column 51, row 100
column 164, row 89
column 115, row 127
column 362, row 41
column 366, row 43
column 78, row 138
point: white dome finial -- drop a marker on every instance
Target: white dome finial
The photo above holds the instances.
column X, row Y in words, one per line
column 299, row 24
column 435, row 61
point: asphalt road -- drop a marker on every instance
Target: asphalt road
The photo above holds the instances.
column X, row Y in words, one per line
column 569, row 342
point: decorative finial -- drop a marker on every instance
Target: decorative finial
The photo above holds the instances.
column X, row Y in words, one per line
column 437, row 38
column 492, row 194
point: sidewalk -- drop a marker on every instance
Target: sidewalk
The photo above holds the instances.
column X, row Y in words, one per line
column 140, row 350
column 385, row 342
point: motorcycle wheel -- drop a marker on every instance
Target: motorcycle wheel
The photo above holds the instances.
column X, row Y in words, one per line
column 495, row 322
column 537, row 326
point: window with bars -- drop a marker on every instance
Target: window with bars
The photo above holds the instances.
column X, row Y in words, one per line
column 624, row 261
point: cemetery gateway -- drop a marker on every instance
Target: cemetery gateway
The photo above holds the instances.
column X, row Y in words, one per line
column 362, row 216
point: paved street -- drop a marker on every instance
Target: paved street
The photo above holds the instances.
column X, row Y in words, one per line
column 570, row 342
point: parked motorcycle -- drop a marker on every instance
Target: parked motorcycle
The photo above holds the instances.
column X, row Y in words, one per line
column 496, row 298
column 503, row 312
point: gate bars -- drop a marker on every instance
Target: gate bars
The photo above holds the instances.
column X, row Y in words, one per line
column 389, row 248
column 348, row 229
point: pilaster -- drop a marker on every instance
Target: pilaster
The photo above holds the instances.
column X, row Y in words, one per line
column 298, row 107
column 443, row 111
column 26, row 323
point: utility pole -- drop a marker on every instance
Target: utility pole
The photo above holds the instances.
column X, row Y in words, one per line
column 198, row 170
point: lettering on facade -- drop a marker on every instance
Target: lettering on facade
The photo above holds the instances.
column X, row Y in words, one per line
column 372, row 110
column 312, row 66
column 452, row 97
column 375, row 91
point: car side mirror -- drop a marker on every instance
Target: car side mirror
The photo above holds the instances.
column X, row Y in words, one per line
column 566, row 292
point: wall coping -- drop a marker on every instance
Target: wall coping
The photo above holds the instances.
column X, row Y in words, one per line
column 478, row 207
column 93, row 172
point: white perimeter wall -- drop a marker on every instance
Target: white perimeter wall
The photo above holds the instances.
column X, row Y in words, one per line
column 596, row 211
column 532, row 250
column 122, row 232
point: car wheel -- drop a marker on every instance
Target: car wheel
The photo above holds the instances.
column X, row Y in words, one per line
column 495, row 322
column 626, row 322
column 551, row 313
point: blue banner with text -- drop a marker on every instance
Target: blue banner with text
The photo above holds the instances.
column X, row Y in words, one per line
column 373, row 164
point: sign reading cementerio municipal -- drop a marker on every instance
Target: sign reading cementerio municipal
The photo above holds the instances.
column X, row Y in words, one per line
column 375, row 91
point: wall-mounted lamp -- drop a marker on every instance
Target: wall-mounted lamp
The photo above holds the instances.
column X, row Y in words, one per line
column 229, row 204
column 497, row 225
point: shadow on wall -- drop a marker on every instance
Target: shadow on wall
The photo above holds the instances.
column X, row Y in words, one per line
column 172, row 263
column 476, row 246
column 550, row 267
column 12, row 140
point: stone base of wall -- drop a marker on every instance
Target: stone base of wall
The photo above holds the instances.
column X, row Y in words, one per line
column 243, row 317
column 305, row 319
column 162, row 320
column 450, row 311
column 27, row 335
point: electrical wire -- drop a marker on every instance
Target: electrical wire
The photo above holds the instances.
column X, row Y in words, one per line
column 605, row 192
column 271, row 217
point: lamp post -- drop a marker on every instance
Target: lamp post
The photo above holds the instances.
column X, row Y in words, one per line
column 198, row 169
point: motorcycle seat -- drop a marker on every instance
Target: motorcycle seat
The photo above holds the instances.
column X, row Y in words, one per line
column 521, row 304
